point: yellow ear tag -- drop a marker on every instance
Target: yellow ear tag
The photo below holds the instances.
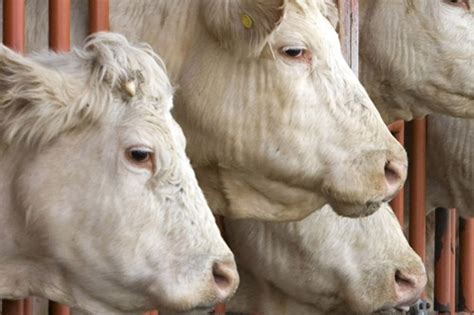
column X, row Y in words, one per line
column 246, row 21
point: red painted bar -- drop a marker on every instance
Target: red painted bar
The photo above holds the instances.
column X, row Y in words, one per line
column 14, row 37
column 98, row 15
column 59, row 25
column 417, row 176
column 58, row 309
column 397, row 204
column 445, row 238
column 13, row 307
column 219, row 309
column 466, row 245
column 453, row 218
column 59, row 40
column 14, row 24
column 28, row 306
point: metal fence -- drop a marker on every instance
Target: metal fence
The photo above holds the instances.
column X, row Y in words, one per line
column 454, row 278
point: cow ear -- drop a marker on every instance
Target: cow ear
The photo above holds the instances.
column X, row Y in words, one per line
column 242, row 24
column 31, row 98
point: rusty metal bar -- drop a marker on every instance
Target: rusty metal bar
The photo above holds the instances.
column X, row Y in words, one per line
column 445, row 238
column 466, row 278
column 60, row 41
column 98, row 15
column 398, row 130
column 28, row 306
column 58, row 309
column 13, row 307
column 59, row 25
column 14, row 37
column 14, row 24
column 417, row 176
column 453, row 219
column 219, row 309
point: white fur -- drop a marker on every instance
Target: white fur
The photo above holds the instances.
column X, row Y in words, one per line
column 417, row 57
column 79, row 222
column 324, row 264
column 259, row 124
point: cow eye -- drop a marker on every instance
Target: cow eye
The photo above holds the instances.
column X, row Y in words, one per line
column 458, row 3
column 139, row 155
column 293, row 52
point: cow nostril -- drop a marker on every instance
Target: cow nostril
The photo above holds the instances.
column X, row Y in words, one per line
column 403, row 281
column 408, row 287
column 225, row 277
column 391, row 173
column 395, row 174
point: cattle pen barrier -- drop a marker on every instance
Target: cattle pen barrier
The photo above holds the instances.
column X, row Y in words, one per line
column 454, row 277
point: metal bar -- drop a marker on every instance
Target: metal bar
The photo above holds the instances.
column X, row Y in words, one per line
column 466, row 281
column 98, row 15
column 12, row 307
column 59, row 25
column 28, row 306
column 452, row 294
column 417, row 176
column 444, row 260
column 58, row 309
column 14, row 37
column 60, row 41
column 219, row 309
column 398, row 130
column 14, row 24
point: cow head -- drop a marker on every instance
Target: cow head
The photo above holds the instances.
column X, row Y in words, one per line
column 417, row 57
column 102, row 207
column 278, row 125
column 343, row 265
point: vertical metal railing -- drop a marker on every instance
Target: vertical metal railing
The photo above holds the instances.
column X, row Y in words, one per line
column 59, row 41
column 98, row 16
column 14, row 37
column 445, row 261
column 417, row 177
column 466, row 266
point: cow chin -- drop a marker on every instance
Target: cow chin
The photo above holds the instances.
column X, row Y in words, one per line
column 200, row 300
column 355, row 210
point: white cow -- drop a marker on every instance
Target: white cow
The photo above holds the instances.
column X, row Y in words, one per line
column 324, row 264
column 100, row 208
column 417, row 56
column 277, row 123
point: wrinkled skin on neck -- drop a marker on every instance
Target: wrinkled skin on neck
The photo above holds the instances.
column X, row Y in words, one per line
column 417, row 57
